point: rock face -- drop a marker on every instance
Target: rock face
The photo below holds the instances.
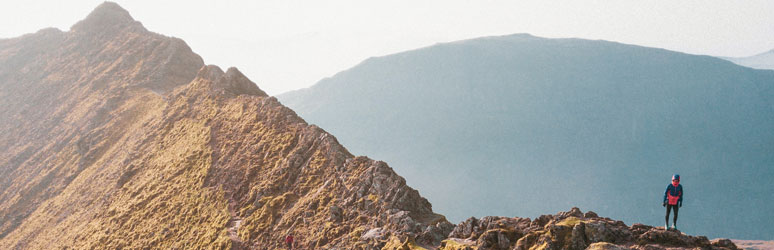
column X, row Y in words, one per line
column 569, row 231
column 116, row 137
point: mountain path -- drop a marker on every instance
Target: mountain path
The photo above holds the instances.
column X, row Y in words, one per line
column 233, row 227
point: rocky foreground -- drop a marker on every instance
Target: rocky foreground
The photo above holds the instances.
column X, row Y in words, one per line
column 115, row 137
column 568, row 230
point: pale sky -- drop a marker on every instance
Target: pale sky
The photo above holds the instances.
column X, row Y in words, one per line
column 284, row 45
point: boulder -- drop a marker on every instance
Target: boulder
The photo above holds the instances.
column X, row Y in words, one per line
column 606, row 246
column 373, row 234
column 672, row 238
column 457, row 244
column 638, row 229
column 578, row 237
column 574, row 212
column 497, row 239
column 603, row 231
column 724, row 243
column 335, row 214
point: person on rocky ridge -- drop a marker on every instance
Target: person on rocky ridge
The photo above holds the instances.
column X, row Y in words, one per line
column 673, row 199
column 289, row 241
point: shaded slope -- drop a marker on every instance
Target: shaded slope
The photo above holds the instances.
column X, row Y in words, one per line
column 117, row 137
column 527, row 124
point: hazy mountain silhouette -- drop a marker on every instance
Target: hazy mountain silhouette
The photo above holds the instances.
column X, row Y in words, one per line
column 763, row 60
column 516, row 125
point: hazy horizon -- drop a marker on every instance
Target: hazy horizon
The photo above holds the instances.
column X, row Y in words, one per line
column 288, row 45
column 285, row 45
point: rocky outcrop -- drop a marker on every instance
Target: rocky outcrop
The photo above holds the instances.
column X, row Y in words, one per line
column 569, row 231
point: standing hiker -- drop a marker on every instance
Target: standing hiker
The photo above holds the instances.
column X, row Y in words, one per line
column 673, row 199
column 289, row 241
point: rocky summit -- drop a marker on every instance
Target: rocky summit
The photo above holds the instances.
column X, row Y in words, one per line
column 115, row 137
column 570, row 230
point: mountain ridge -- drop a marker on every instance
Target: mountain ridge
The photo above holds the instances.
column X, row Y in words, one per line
column 126, row 139
column 118, row 137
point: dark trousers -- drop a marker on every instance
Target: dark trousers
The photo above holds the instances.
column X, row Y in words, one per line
column 671, row 207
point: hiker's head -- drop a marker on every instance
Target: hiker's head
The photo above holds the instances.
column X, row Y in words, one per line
column 676, row 178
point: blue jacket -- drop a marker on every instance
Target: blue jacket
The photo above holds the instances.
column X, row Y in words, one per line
column 674, row 192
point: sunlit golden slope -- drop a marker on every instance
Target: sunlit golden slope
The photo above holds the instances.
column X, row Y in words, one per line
column 118, row 137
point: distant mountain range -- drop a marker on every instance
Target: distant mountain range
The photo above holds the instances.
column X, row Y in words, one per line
column 763, row 60
column 516, row 125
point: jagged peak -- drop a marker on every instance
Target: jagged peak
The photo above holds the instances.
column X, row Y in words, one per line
column 234, row 73
column 232, row 81
column 210, row 72
column 239, row 82
column 106, row 16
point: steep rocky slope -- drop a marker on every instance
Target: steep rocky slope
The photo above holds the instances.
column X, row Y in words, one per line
column 116, row 137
